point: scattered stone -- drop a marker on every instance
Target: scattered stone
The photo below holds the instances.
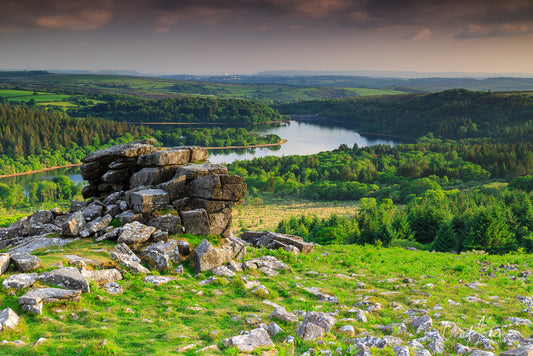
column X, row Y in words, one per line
column 5, row 261
column 394, row 328
column 518, row 321
column 401, row 350
column 526, row 350
column 347, row 330
column 274, row 328
column 223, row 271
column 102, row 276
column 207, row 257
column 274, row 241
column 315, row 325
column 475, row 285
column 8, row 319
column 282, row 314
column 422, row 323
column 113, row 288
column 20, row 281
column 460, row 349
column 75, row 260
column 323, row 297
column 475, row 338
column 249, row 341
column 157, row 280
column 513, row 338
column 40, row 341
column 25, row 262
column 208, row 349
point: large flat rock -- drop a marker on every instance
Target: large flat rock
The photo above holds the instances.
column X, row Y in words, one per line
column 20, row 280
column 66, row 277
column 33, row 300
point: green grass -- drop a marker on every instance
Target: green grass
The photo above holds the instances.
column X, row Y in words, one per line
column 172, row 324
column 159, row 88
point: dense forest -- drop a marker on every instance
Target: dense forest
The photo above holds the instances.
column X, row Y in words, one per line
column 187, row 109
column 399, row 173
column 58, row 188
column 492, row 219
column 213, row 137
column 452, row 114
column 32, row 139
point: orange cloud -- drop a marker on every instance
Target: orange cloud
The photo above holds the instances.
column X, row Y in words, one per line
column 85, row 20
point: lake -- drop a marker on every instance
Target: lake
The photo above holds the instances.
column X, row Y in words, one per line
column 303, row 138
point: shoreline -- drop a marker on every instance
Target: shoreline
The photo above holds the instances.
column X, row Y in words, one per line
column 249, row 146
column 208, row 123
column 79, row 164
column 39, row 170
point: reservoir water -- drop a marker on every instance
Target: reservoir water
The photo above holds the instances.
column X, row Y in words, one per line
column 303, row 138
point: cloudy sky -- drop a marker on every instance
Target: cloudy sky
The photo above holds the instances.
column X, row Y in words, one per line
column 247, row 36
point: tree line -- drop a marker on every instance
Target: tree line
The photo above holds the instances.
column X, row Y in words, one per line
column 492, row 219
column 455, row 114
column 187, row 109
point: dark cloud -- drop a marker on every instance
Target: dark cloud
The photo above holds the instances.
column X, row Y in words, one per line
column 496, row 18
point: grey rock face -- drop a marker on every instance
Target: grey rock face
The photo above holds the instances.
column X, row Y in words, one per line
column 5, row 261
column 169, row 223
column 41, row 217
column 148, row 200
column 66, row 277
column 171, row 156
column 8, row 319
column 152, row 176
column 92, row 211
column 249, row 341
column 135, row 233
column 73, row 225
column 20, row 281
column 25, row 262
column 195, row 222
column 33, row 300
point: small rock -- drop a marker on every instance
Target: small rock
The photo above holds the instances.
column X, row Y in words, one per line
column 25, row 262
column 8, row 319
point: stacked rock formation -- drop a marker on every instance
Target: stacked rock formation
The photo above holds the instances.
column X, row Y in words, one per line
column 177, row 178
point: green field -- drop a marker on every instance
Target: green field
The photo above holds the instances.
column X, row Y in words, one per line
column 161, row 88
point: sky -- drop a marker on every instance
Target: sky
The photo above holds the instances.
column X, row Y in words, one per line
column 248, row 36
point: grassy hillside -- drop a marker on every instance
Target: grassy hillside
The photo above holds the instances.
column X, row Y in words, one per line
column 182, row 316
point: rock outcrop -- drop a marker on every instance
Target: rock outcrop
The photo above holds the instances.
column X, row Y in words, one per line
column 154, row 179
